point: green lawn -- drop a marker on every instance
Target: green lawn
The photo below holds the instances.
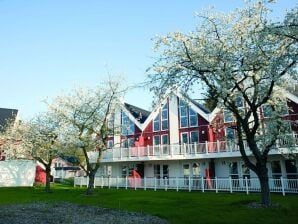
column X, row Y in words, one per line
column 177, row 207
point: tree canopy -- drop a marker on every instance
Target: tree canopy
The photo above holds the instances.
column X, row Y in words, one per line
column 241, row 57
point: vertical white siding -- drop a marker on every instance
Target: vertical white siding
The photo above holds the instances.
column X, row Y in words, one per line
column 173, row 120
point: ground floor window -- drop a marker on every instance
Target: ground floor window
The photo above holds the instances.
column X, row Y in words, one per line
column 291, row 169
column 186, row 173
column 234, row 174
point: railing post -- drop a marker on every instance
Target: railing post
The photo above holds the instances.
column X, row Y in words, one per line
column 126, row 182
column 94, row 182
column 282, row 186
column 177, row 183
column 81, row 181
column 231, row 186
column 171, row 150
column 189, row 184
column 216, row 185
column 74, row 181
column 218, row 145
column 120, row 153
column 147, row 150
column 166, row 183
column 196, row 148
column 117, row 184
column 202, row 184
column 246, row 185
column 109, row 182
column 87, row 181
column 206, row 146
column 128, row 152
column 135, row 183
column 145, row 184
column 161, row 150
column 112, row 149
column 101, row 181
column 154, row 183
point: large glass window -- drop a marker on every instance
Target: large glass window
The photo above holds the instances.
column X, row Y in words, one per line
column 165, row 142
column 234, row 170
column 156, row 140
column 239, row 102
column 110, row 144
column 157, row 171
column 194, row 137
column 291, row 169
column 128, row 127
column 124, row 171
column 230, row 134
column 130, row 142
column 186, row 173
column 183, row 114
column 156, row 123
column 111, row 125
column 193, row 118
column 228, row 116
column 276, row 169
column 267, row 110
column 184, row 138
column 165, row 139
column 164, row 117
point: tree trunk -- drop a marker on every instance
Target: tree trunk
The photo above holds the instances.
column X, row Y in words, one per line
column 91, row 183
column 48, row 180
column 264, row 181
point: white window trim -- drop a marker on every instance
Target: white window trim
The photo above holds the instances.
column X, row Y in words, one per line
column 158, row 115
column 162, row 139
column 190, row 136
column 233, row 117
column 108, row 143
column 196, row 114
column 154, row 138
column 181, row 138
column 187, row 113
column 162, row 119
column 226, row 132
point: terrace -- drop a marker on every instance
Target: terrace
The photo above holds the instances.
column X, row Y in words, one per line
column 218, row 149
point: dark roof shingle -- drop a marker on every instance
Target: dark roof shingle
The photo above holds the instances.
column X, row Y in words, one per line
column 6, row 115
column 138, row 113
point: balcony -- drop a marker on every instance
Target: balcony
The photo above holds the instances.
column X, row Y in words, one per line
column 219, row 149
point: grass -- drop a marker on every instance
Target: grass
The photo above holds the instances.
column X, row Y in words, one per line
column 176, row 207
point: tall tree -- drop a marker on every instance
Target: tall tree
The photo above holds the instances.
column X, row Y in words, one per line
column 238, row 56
column 85, row 114
column 38, row 138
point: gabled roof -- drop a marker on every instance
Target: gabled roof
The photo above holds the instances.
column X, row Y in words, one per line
column 138, row 113
column 204, row 109
column 198, row 108
column 6, row 115
column 70, row 159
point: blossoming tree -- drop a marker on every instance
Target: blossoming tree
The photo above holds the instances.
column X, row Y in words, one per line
column 38, row 138
column 85, row 114
column 241, row 55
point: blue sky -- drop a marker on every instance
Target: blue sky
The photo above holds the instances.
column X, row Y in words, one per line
column 53, row 45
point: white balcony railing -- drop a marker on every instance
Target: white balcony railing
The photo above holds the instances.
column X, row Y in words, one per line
column 178, row 150
column 282, row 185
